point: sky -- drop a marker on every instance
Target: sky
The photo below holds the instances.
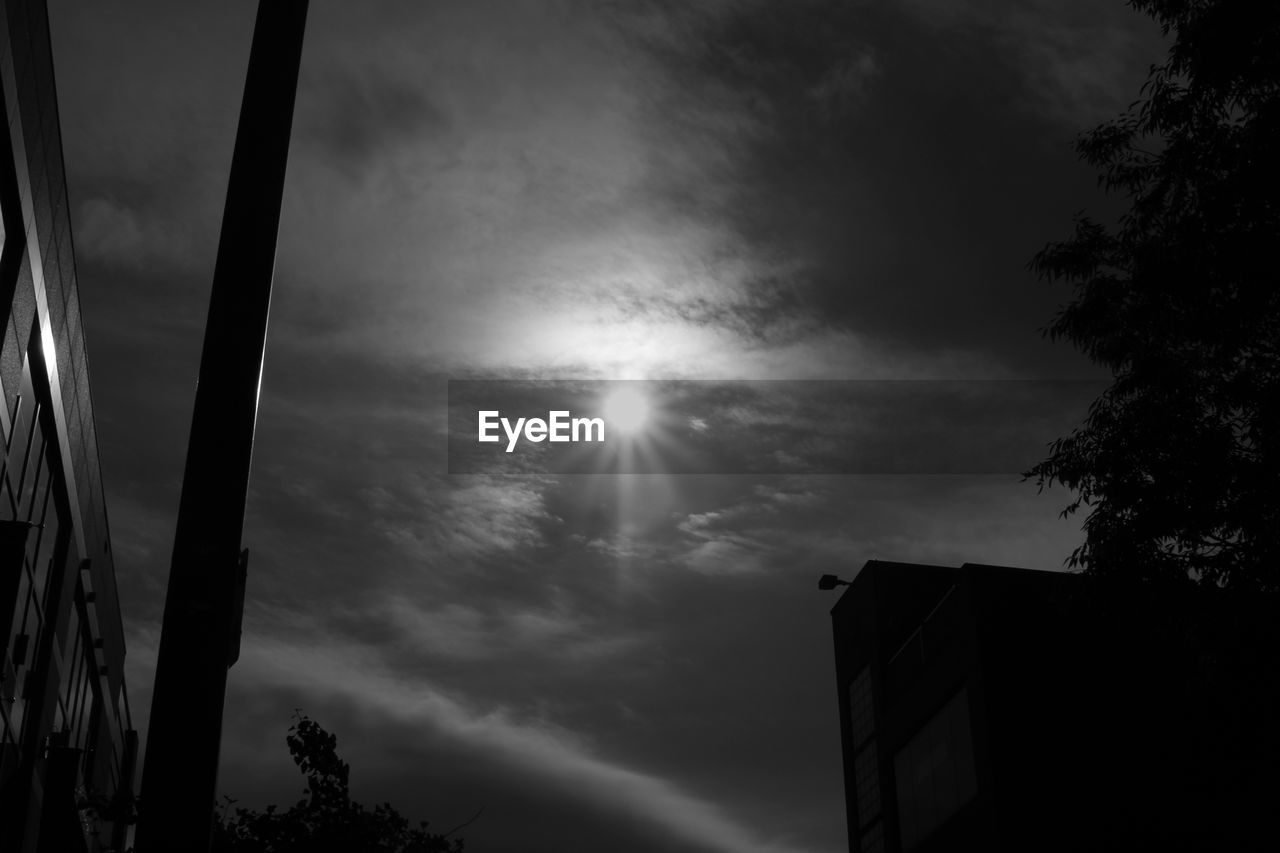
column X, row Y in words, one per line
column 836, row 192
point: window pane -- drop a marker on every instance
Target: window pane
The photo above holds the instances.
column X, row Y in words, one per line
column 866, row 772
column 872, row 840
column 934, row 772
column 861, row 711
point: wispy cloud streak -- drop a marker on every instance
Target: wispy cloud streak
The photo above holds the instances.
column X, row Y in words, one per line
column 539, row 748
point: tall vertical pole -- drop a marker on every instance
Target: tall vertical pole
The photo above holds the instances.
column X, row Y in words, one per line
column 179, row 777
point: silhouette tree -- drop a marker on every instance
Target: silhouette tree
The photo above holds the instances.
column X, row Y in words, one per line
column 1178, row 459
column 327, row 821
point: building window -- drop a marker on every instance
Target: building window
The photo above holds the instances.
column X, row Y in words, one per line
column 866, row 764
column 862, row 723
column 866, row 775
column 872, row 841
column 28, row 482
column 934, row 771
column 78, row 701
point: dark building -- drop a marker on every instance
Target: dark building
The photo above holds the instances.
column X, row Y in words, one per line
column 991, row 708
column 67, row 746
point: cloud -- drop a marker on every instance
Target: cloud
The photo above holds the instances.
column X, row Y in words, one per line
column 1071, row 56
column 464, row 516
column 732, row 189
column 732, row 540
column 785, row 524
column 358, row 113
column 725, row 555
column 529, row 209
column 501, row 631
column 843, row 86
column 464, row 197
column 538, row 748
column 118, row 236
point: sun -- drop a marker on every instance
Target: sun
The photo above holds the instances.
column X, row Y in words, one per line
column 626, row 410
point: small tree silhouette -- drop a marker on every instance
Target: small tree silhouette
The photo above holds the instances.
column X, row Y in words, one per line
column 326, row 821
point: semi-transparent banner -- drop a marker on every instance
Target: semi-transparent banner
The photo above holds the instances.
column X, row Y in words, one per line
column 759, row 427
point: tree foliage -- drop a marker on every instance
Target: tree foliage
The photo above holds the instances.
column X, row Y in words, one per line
column 326, row 821
column 1178, row 459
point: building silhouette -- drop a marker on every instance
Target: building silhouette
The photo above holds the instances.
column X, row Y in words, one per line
column 992, row 708
column 67, row 745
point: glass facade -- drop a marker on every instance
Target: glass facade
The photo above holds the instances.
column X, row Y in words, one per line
column 67, row 745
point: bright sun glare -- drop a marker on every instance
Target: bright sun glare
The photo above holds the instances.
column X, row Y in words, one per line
column 626, row 410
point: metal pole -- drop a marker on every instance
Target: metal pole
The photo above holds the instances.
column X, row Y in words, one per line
column 179, row 776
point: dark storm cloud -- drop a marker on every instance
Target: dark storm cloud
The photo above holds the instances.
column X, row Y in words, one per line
column 360, row 112
column 595, row 190
column 913, row 156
